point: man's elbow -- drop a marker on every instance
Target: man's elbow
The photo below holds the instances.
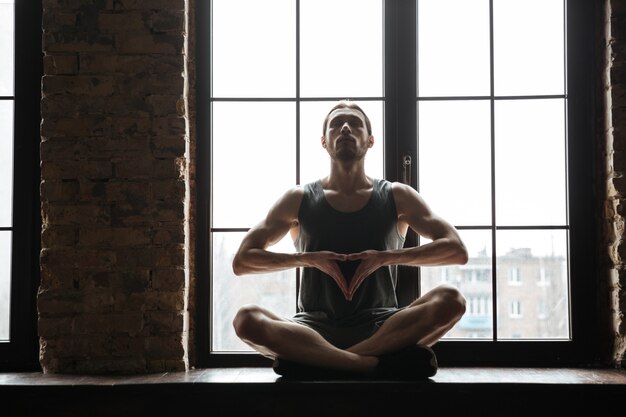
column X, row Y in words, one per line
column 462, row 255
column 238, row 266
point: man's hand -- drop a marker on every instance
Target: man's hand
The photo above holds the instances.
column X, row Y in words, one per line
column 371, row 260
column 326, row 262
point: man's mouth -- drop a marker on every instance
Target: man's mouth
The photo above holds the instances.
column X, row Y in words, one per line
column 346, row 138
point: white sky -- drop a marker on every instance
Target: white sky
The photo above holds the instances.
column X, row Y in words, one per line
column 340, row 58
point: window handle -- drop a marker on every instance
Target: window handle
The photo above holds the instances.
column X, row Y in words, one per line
column 406, row 169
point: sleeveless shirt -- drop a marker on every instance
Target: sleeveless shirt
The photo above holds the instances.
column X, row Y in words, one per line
column 321, row 304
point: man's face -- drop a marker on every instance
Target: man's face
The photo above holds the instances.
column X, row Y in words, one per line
column 346, row 136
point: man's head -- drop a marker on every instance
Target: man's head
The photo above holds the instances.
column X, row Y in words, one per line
column 344, row 104
column 347, row 132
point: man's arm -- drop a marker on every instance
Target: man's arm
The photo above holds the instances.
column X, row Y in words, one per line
column 446, row 247
column 254, row 258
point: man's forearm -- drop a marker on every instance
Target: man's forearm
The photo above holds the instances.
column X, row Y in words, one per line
column 437, row 253
column 259, row 261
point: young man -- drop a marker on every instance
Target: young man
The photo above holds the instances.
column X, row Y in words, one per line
column 349, row 231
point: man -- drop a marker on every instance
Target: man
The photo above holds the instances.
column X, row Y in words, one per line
column 349, row 231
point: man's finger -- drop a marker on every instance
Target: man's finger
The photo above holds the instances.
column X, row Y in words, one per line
column 361, row 273
column 356, row 256
column 339, row 278
column 339, row 257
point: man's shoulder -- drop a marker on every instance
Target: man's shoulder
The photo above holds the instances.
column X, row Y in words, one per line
column 403, row 192
column 398, row 186
column 288, row 203
column 295, row 192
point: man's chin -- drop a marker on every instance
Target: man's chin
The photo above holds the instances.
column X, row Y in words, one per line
column 346, row 156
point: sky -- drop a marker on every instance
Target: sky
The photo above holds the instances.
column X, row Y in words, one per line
column 340, row 58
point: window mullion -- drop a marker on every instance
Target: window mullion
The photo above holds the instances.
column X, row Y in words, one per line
column 401, row 113
column 494, row 257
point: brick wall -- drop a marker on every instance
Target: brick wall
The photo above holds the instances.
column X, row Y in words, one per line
column 614, row 141
column 117, row 184
column 113, row 190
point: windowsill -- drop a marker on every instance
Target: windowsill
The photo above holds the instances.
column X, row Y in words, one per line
column 264, row 375
column 258, row 391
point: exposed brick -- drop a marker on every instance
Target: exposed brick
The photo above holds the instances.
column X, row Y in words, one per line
column 90, row 85
column 114, row 237
column 61, row 64
column 148, row 43
column 70, row 169
column 64, row 214
column 164, row 321
column 59, row 236
column 69, row 42
column 131, row 21
column 168, row 280
column 165, row 346
column 167, row 21
column 130, row 323
column 55, row 190
column 146, row 168
column 76, row 127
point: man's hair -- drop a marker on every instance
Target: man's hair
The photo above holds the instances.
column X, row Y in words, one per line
column 345, row 104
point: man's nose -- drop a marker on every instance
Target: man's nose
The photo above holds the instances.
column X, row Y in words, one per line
column 345, row 127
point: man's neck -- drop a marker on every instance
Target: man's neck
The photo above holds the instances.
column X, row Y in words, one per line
column 347, row 177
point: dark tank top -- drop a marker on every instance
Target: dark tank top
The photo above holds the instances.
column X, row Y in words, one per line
column 324, row 228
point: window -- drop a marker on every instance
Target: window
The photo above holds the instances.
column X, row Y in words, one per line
column 515, row 311
column 6, row 163
column 491, row 123
column 514, row 277
column 20, row 93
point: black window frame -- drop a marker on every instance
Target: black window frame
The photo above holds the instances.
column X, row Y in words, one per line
column 401, row 122
column 21, row 352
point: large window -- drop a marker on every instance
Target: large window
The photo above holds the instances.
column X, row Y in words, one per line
column 20, row 92
column 467, row 104
column 7, row 100
column 498, row 172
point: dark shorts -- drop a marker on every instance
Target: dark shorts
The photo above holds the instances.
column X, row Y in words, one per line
column 349, row 330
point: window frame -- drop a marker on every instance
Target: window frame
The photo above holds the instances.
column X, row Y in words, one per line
column 400, row 101
column 21, row 352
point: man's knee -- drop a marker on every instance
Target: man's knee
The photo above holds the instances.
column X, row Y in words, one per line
column 247, row 322
column 451, row 303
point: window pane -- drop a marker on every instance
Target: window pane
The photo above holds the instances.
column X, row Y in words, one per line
column 254, row 48
column 341, row 48
column 532, row 284
column 454, row 160
column 5, row 284
column 314, row 160
column 529, row 55
column 254, row 157
column 473, row 280
column 275, row 291
column 453, row 47
column 6, row 162
column 530, row 162
column 6, row 47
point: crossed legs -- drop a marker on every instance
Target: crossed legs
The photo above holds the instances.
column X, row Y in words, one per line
column 424, row 321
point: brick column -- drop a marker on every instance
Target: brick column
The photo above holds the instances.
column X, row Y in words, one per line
column 614, row 83
column 113, row 192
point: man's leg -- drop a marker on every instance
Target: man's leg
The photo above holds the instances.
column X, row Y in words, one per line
column 274, row 337
column 424, row 322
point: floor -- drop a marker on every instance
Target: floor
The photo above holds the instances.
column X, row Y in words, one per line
column 481, row 392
